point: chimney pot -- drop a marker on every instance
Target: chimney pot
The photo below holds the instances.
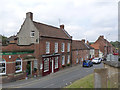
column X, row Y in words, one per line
column 29, row 15
column 61, row 26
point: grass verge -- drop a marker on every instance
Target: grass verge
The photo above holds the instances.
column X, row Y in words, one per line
column 86, row 82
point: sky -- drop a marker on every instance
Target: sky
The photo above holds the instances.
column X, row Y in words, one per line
column 83, row 19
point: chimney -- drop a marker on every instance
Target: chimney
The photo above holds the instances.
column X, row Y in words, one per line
column 87, row 42
column 102, row 36
column 61, row 26
column 29, row 15
column 83, row 40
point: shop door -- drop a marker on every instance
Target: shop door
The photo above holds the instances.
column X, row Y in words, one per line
column 28, row 70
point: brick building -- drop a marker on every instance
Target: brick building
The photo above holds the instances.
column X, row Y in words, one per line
column 36, row 49
column 102, row 47
column 80, row 51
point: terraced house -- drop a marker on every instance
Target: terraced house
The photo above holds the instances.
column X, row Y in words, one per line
column 80, row 51
column 39, row 48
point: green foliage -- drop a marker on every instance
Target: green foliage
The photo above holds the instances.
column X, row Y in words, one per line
column 116, row 44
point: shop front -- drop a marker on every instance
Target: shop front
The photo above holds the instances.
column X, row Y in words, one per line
column 50, row 64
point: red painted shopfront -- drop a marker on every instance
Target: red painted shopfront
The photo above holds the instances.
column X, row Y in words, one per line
column 50, row 64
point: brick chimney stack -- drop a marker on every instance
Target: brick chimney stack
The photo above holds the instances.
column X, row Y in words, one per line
column 62, row 26
column 29, row 15
column 87, row 42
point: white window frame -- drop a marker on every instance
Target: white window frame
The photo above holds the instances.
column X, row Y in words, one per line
column 68, row 59
column 63, row 60
column 2, row 67
column 68, row 47
column 47, row 47
column 31, row 33
column 63, row 47
column 77, row 60
column 56, row 62
column 20, row 60
column 47, row 66
column 56, row 47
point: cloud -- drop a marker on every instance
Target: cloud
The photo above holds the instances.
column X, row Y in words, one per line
column 82, row 18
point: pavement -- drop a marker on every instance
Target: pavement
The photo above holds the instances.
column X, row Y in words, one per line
column 59, row 79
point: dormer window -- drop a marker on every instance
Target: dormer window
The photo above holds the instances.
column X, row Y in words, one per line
column 32, row 33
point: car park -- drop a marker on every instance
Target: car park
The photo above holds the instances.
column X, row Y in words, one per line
column 87, row 63
column 96, row 60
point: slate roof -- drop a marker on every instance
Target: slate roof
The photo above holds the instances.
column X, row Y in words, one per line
column 51, row 31
column 79, row 45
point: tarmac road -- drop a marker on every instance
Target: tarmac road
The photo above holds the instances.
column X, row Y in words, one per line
column 59, row 79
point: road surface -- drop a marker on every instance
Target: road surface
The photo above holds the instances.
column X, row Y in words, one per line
column 59, row 79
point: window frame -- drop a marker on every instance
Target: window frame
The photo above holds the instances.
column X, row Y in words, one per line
column 68, row 47
column 56, row 65
column 77, row 61
column 20, row 60
column 63, row 47
column 68, row 59
column 56, row 47
column 32, row 33
column 47, row 47
column 63, row 60
column 4, row 67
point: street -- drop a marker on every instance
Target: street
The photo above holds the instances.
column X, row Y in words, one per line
column 59, row 79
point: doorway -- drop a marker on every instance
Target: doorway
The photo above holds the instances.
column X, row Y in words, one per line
column 28, row 68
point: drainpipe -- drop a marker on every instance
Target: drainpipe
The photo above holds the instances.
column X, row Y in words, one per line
column 71, row 54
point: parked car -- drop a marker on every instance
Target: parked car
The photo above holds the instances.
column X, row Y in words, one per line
column 87, row 63
column 96, row 60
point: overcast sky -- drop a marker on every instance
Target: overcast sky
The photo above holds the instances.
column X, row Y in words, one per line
column 83, row 19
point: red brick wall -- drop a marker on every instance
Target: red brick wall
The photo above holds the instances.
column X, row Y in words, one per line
column 81, row 54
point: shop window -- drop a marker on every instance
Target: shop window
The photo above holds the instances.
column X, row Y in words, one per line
column 63, row 60
column 2, row 66
column 68, row 59
column 56, row 62
column 18, row 67
column 46, row 64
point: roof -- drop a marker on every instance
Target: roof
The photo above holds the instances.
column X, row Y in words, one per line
column 89, row 46
column 79, row 45
column 95, row 46
column 51, row 31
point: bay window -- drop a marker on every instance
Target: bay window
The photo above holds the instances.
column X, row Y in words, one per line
column 2, row 66
column 18, row 66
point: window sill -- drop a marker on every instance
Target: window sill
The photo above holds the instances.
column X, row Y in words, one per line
column 16, row 72
column 46, row 70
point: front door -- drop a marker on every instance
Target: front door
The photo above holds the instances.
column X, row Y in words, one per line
column 51, row 66
column 28, row 69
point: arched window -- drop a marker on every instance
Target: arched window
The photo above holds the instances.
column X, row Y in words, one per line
column 18, row 66
column 2, row 66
